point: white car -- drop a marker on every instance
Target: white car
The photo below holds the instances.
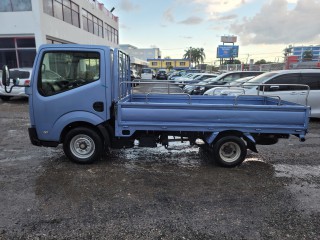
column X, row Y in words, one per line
column 147, row 73
column 235, row 85
column 289, row 85
column 23, row 78
column 189, row 77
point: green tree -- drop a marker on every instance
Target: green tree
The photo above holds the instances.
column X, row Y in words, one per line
column 170, row 67
column 307, row 55
column 232, row 61
column 262, row 61
column 196, row 55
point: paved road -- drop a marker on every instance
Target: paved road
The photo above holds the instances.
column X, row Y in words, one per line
column 159, row 193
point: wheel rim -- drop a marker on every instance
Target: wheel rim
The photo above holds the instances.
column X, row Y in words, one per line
column 230, row 152
column 82, row 146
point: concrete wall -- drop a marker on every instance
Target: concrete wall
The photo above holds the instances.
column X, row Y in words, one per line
column 39, row 24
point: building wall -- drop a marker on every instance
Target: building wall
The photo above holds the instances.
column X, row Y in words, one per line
column 45, row 28
column 141, row 53
column 165, row 63
column 299, row 50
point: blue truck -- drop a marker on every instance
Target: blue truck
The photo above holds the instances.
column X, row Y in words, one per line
column 81, row 96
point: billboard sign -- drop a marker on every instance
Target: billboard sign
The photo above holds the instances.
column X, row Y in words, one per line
column 228, row 39
column 227, row 51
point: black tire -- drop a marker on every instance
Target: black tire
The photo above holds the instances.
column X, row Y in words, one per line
column 229, row 151
column 5, row 98
column 83, row 145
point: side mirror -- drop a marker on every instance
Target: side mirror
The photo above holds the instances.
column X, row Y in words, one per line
column 5, row 76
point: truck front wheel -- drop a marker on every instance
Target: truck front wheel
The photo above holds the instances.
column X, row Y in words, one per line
column 83, row 145
column 230, row 151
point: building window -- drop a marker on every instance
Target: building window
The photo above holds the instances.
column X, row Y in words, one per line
column 91, row 23
column 168, row 64
column 112, row 34
column 17, row 52
column 54, row 41
column 65, row 10
column 15, row 5
column 154, row 63
column 182, row 63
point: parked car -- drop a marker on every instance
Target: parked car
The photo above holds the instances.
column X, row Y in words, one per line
column 134, row 74
column 23, row 76
column 147, row 73
column 183, row 73
column 162, row 74
column 226, row 78
column 200, row 80
column 237, row 83
column 278, row 86
column 183, row 80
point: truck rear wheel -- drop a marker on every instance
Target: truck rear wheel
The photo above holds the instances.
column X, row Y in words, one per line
column 83, row 145
column 230, row 151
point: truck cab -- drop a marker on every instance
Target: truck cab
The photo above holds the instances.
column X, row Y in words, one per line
column 74, row 86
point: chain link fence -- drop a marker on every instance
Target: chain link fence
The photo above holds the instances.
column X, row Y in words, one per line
column 269, row 66
column 252, row 67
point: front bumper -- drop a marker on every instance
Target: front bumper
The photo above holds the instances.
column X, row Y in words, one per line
column 16, row 92
column 37, row 142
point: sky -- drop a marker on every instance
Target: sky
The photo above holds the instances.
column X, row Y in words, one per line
column 263, row 27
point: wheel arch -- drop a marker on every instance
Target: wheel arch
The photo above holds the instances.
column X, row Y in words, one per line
column 216, row 136
column 100, row 129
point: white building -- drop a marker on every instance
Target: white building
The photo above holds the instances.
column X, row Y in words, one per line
column 141, row 53
column 26, row 24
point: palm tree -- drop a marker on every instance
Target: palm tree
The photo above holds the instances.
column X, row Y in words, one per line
column 189, row 54
column 196, row 55
column 201, row 55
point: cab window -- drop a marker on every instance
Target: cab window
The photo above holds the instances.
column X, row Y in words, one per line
column 64, row 71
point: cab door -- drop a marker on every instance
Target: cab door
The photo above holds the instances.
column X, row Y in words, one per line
column 281, row 86
column 70, row 86
column 312, row 98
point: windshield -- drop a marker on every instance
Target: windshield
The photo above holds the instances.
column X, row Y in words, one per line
column 146, row 70
column 195, row 76
column 189, row 75
column 14, row 74
column 240, row 81
column 258, row 80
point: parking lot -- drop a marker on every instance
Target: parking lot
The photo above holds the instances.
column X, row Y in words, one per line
column 156, row 193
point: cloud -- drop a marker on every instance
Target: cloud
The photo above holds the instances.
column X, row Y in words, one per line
column 227, row 17
column 191, row 21
column 275, row 24
column 168, row 16
column 127, row 5
column 220, row 6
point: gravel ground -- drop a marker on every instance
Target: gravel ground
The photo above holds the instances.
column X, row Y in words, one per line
column 156, row 193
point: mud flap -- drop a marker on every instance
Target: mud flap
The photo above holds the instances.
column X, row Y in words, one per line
column 251, row 143
column 212, row 137
column 106, row 137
